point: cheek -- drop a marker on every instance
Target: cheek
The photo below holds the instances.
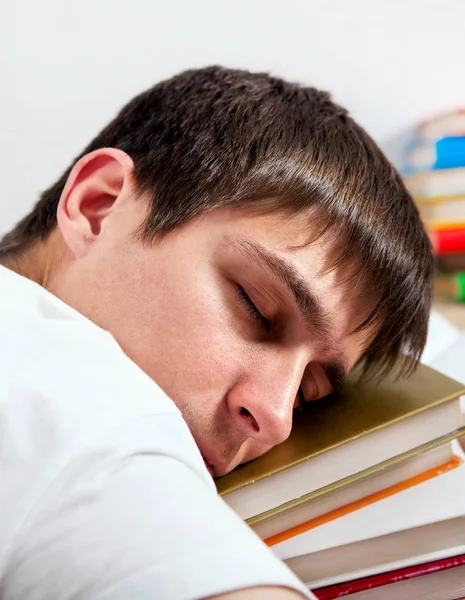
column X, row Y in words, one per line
column 254, row 451
column 250, row 450
column 196, row 350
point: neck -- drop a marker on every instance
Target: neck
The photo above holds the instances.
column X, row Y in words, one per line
column 39, row 261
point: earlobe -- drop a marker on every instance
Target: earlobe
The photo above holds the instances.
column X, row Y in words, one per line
column 97, row 185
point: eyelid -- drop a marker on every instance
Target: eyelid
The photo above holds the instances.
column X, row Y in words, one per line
column 252, row 308
column 256, row 314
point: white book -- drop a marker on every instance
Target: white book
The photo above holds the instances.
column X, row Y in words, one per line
column 455, row 528
column 437, row 499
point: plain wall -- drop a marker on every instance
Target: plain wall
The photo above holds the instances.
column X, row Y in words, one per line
column 67, row 66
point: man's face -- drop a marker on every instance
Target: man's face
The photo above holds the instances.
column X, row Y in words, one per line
column 227, row 316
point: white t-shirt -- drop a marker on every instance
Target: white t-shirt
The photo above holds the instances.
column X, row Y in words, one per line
column 103, row 492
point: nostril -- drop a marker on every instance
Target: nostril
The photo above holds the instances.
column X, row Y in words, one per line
column 245, row 413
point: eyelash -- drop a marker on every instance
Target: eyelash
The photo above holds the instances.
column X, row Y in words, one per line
column 257, row 316
column 252, row 309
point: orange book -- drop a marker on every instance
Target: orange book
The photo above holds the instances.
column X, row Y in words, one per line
column 452, row 463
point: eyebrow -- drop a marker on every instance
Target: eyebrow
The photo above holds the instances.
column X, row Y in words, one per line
column 316, row 318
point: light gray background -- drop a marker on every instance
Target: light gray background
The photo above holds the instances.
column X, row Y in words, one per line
column 67, row 66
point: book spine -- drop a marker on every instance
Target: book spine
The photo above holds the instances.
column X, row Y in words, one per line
column 451, row 262
column 450, row 153
column 450, row 287
column 445, row 153
column 437, row 185
column 373, row 581
column 443, row 213
column 442, row 125
column 439, row 225
column 448, row 241
column 453, row 463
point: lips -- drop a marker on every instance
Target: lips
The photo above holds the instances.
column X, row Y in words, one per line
column 211, row 459
column 216, row 462
column 209, row 466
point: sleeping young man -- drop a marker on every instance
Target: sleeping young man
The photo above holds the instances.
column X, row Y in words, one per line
column 228, row 247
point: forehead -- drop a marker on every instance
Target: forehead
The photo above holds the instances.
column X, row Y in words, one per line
column 341, row 291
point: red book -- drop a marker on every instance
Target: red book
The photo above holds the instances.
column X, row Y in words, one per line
column 366, row 583
column 448, row 241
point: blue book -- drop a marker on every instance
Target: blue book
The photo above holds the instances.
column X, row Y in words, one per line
column 444, row 153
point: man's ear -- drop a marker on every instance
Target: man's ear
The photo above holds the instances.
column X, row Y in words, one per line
column 99, row 183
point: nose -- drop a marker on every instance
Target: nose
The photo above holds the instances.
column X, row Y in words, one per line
column 262, row 401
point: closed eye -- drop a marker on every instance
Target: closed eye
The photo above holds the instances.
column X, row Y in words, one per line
column 252, row 309
column 264, row 322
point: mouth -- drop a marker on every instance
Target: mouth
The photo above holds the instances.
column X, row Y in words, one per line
column 210, row 458
column 216, row 463
column 209, row 466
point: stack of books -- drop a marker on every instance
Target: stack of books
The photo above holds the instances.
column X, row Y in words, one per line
column 434, row 172
column 367, row 496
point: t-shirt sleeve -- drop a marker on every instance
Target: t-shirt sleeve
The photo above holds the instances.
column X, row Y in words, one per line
column 146, row 527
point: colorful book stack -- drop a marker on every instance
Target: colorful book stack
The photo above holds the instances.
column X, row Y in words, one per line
column 434, row 172
column 367, row 496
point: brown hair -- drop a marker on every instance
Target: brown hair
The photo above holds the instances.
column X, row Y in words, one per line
column 219, row 137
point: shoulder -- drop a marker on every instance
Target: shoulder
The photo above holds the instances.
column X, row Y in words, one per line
column 77, row 370
column 69, row 398
column 143, row 526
